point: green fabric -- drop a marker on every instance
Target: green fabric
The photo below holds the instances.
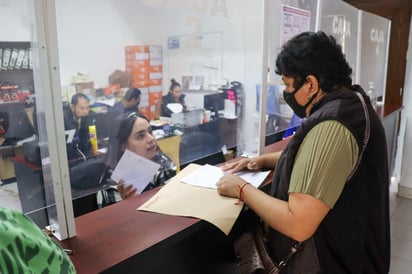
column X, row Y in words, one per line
column 325, row 159
column 24, row 248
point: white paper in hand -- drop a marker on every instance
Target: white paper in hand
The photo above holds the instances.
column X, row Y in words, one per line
column 135, row 169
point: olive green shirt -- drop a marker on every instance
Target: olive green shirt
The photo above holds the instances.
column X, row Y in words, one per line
column 324, row 161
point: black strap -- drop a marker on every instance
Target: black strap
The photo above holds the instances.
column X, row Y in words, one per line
column 366, row 135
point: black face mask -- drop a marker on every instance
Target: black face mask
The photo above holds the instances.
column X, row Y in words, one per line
column 294, row 105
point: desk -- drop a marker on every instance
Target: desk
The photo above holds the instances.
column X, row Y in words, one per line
column 120, row 239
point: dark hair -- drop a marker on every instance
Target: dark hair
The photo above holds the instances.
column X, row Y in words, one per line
column 77, row 96
column 317, row 54
column 173, row 84
column 132, row 93
column 125, row 129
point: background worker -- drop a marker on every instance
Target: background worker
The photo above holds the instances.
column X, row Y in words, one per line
column 129, row 103
column 174, row 96
column 78, row 108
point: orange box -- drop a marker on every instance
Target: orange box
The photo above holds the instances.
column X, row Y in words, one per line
column 155, row 75
column 137, row 56
column 112, row 89
column 155, row 82
column 137, row 63
column 142, row 69
column 156, row 62
column 139, row 83
column 143, row 48
column 145, row 111
column 155, row 97
column 155, row 68
column 153, row 89
column 137, row 49
column 141, row 76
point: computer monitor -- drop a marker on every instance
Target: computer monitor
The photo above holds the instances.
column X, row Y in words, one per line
column 104, row 122
column 214, row 102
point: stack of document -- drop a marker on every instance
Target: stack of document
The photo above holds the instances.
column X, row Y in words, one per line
column 188, row 199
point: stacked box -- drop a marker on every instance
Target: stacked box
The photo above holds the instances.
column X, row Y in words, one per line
column 144, row 65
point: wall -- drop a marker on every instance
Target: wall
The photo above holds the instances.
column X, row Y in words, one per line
column 14, row 13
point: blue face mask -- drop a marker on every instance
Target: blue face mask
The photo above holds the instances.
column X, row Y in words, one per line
column 294, row 105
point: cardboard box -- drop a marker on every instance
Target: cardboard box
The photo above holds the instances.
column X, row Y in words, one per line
column 154, row 98
column 6, row 164
column 139, row 83
column 86, row 88
column 143, row 48
column 155, row 89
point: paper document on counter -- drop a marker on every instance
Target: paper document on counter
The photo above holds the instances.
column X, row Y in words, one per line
column 175, row 107
column 208, row 176
column 180, row 199
column 135, row 169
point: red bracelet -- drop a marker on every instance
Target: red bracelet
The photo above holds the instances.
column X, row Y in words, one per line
column 240, row 200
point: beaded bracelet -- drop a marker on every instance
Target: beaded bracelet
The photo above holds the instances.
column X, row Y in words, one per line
column 240, row 200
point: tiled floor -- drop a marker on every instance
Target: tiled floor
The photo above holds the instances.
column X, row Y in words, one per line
column 401, row 225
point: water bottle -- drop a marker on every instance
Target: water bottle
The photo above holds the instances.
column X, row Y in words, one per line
column 93, row 138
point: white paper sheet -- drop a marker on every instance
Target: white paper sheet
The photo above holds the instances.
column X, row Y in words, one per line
column 207, row 176
column 175, row 107
column 109, row 102
column 135, row 170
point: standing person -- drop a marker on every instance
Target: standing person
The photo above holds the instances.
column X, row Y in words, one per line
column 174, row 96
column 79, row 107
column 135, row 134
column 129, row 103
column 320, row 194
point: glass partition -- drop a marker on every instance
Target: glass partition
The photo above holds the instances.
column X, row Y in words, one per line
column 286, row 19
column 341, row 20
column 117, row 46
column 374, row 54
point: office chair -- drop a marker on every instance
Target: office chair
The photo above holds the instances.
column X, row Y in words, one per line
column 170, row 147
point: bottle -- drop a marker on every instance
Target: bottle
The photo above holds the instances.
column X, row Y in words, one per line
column 93, row 138
column 372, row 94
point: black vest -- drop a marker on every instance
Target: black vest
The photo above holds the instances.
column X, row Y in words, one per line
column 354, row 237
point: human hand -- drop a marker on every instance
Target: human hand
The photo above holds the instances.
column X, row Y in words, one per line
column 229, row 185
column 125, row 191
column 242, row 163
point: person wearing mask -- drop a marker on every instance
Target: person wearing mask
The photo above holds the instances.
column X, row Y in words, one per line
column 135, row 134
column 329, row 196
column 174, row 96
column 79, row 107
column 129, row 103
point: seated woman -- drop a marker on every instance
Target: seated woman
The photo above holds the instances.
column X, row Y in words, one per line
column 135, row 134
column 174, row 96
